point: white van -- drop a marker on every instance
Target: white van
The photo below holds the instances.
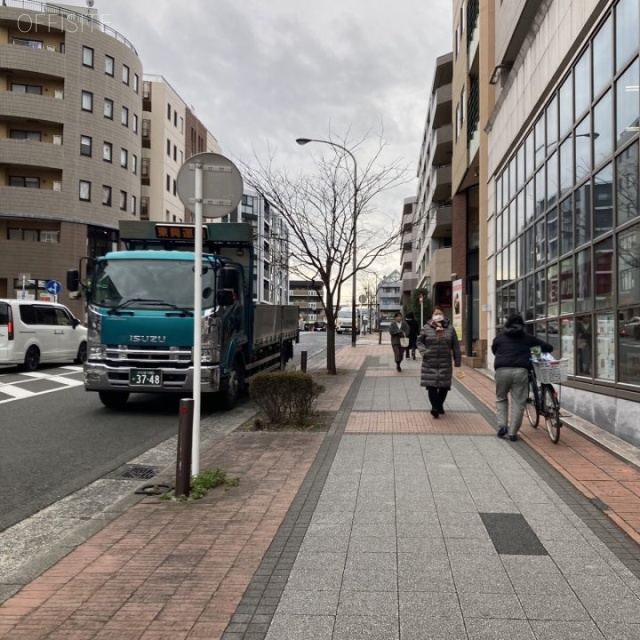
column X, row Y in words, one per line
column 32, row 332
column 344, row 321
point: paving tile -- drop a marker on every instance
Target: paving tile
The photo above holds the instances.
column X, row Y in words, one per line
column 290, row 627
column 368, row 603
column 365, row 628
column 553, row 606
column 493, row 629
column 421, row 627
column 490, row 605
column 620, row 631
column 565, row 630
column 312, row 603
column 430, row 604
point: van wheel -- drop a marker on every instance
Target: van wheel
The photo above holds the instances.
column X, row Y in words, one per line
column 113, row 399
column 31, row 360
column 81, row 358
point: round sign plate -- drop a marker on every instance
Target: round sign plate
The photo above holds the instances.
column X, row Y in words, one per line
column 54, row 287
column 362, row 299
column 221, row 184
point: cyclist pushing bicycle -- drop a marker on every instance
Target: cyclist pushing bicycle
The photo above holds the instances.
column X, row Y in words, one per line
column 512, row 351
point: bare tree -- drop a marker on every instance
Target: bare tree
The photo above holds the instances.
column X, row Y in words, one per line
column 324, row 218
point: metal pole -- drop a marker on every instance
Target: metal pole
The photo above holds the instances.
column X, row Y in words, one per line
column 303, row 361
column 355, row 260
column 183, row 465
column 197, row 319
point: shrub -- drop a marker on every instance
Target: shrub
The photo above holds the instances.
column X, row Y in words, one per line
column 285, row 395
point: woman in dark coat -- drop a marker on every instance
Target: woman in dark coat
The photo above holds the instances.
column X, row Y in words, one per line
column 414, row 330
column 398, row 329
column 438, row 344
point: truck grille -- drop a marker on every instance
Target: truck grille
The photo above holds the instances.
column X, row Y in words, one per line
column 125, row 356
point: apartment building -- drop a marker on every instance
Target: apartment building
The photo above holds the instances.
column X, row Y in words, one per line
column 408, row 250
column 388, row 296
column 432, row 219
column 306, row 295
column 562, row 202
column 171, row 133
column 70, row 114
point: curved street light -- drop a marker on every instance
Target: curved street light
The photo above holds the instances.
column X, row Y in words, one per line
column 302, row 142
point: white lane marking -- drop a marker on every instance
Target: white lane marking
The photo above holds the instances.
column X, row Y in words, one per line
column 19, row 393
column 69, row 382
column 16, row 392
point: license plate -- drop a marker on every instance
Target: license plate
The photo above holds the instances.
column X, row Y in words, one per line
column 145, row 378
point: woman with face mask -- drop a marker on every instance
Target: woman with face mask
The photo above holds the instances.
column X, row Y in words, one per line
column 438, row 344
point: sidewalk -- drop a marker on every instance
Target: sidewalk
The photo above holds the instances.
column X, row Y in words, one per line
column 391, row 525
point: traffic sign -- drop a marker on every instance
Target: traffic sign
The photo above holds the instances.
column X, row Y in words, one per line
column 54, row 287
column 362, row 299
column 421, row 298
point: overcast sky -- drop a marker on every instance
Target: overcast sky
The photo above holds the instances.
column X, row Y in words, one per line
column 261, row 72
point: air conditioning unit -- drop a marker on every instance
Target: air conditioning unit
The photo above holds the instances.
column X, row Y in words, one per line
column 57, row 139
column 57, row 185
column 50, row 47
column 59, row 94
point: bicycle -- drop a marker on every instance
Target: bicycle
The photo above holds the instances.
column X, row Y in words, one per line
column 542, row 399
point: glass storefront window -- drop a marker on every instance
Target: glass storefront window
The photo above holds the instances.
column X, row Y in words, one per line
column 541, row 294
column 603, row 57
column 540, row 192
column 582, row 85
column 520, row 156
column 552, row 179
column 627, row 203
column 583, row 281
column 553, row 336
column 520, row 221
column 540, row 142
column 566, row 286
column 552, row 234
column 529, row 202
column 552, row 122
column 529, row 298
column 567, row 343
column 584, row 345
column 553, row 291
column 603, row 261
column 603, row 201
column 528, row 152
column 541, row 243
column 505, row 187
column 499, row 238
column 512, row 178
column 566, row 166
column 513, row 228
column 627, row 19
column 583, row 213
column 566, row 225
column 529, row 248
column 566, row 106
column 602, row 129
column 513, row 261
column 629, row 266
column 499, row 201
column 627, row 104
column 629, row 345
column 522, row 256
column 583, row 149
column 605, row 347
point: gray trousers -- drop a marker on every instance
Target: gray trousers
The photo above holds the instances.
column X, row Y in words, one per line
column 516, row 381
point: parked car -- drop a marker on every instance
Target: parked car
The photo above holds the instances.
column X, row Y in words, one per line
column 320, row 326
column 631, row 328
column 32, row 332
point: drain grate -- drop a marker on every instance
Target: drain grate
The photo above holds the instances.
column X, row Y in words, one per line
column 135, row 472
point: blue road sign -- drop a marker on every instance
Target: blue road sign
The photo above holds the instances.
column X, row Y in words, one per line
column 54, row 287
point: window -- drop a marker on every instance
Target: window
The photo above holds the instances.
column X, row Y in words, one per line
column 124, row 118
column 85, row 145
column 87, row 57
column 123, row 201
column 168, row 147
column 175, row 119
column 181, row 124
column 107, row 152
column 124, row 158
column 134, row 164
column 24, row 181
column 34, row 89
column 175, row 188
column 23, row 42
column 85, row 191
column 136, row 82
column 168, row 185
column 175, row 152
column 168, row 112
column 125, row 74
column 108, row 108
column 21, row 134
column 87, row 101
column 134, row 125
column 50, row 237
column 106, row 195
column 134, row 205
column 109, row 65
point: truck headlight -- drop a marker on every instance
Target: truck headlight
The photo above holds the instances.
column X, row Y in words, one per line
column 206, row 355
column 97, row 352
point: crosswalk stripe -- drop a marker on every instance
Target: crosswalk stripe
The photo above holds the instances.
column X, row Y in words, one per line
column 17, row 392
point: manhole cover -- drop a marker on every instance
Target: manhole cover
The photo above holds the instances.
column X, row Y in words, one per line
column 135, row 472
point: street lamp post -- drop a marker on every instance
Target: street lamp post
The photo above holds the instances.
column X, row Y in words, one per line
column 303, row 141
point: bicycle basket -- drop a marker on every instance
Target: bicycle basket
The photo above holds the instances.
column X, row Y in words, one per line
column 552, row 371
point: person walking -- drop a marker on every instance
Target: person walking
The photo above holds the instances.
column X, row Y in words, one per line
column 414, row 330
column 512, row 351
column 399, row 331
column 439, row 346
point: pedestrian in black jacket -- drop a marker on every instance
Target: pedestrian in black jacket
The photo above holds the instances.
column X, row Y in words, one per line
column 414, row 330
column 512, row 351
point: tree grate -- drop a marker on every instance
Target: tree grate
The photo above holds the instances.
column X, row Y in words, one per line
column 136, row 472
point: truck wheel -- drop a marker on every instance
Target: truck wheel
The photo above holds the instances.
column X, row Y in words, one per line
column 113, row 399
column 233, row 386
column 31, row 359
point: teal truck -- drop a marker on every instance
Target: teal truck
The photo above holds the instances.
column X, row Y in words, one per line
column 140, row 316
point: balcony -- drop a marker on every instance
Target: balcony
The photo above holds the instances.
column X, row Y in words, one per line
column 441, row 105
column 441, row 182
column 442, row 144
column 32, row 153
column 15, row 105
column 146, row 133
column 29, row 61
column 441, row 221
column 24, row 201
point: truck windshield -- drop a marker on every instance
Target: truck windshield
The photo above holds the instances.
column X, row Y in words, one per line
column 133, row 282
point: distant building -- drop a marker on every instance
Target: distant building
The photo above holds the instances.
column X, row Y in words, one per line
column 306, row 295
column 389, row 297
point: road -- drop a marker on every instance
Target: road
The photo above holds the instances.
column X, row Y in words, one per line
column 56, row 438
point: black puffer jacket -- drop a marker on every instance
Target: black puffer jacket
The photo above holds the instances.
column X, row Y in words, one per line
column 512, row 347
column 437, row 355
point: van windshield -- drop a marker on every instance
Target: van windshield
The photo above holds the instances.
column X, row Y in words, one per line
column 344, row 313
column 117, row 281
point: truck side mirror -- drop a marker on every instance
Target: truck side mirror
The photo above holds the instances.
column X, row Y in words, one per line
column 225, row 297
column 73, row 280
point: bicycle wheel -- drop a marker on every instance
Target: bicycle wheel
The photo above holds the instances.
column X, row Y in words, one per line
column 531, row 405
column 552, row 413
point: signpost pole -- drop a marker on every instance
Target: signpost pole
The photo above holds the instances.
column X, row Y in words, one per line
column 197, row 321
